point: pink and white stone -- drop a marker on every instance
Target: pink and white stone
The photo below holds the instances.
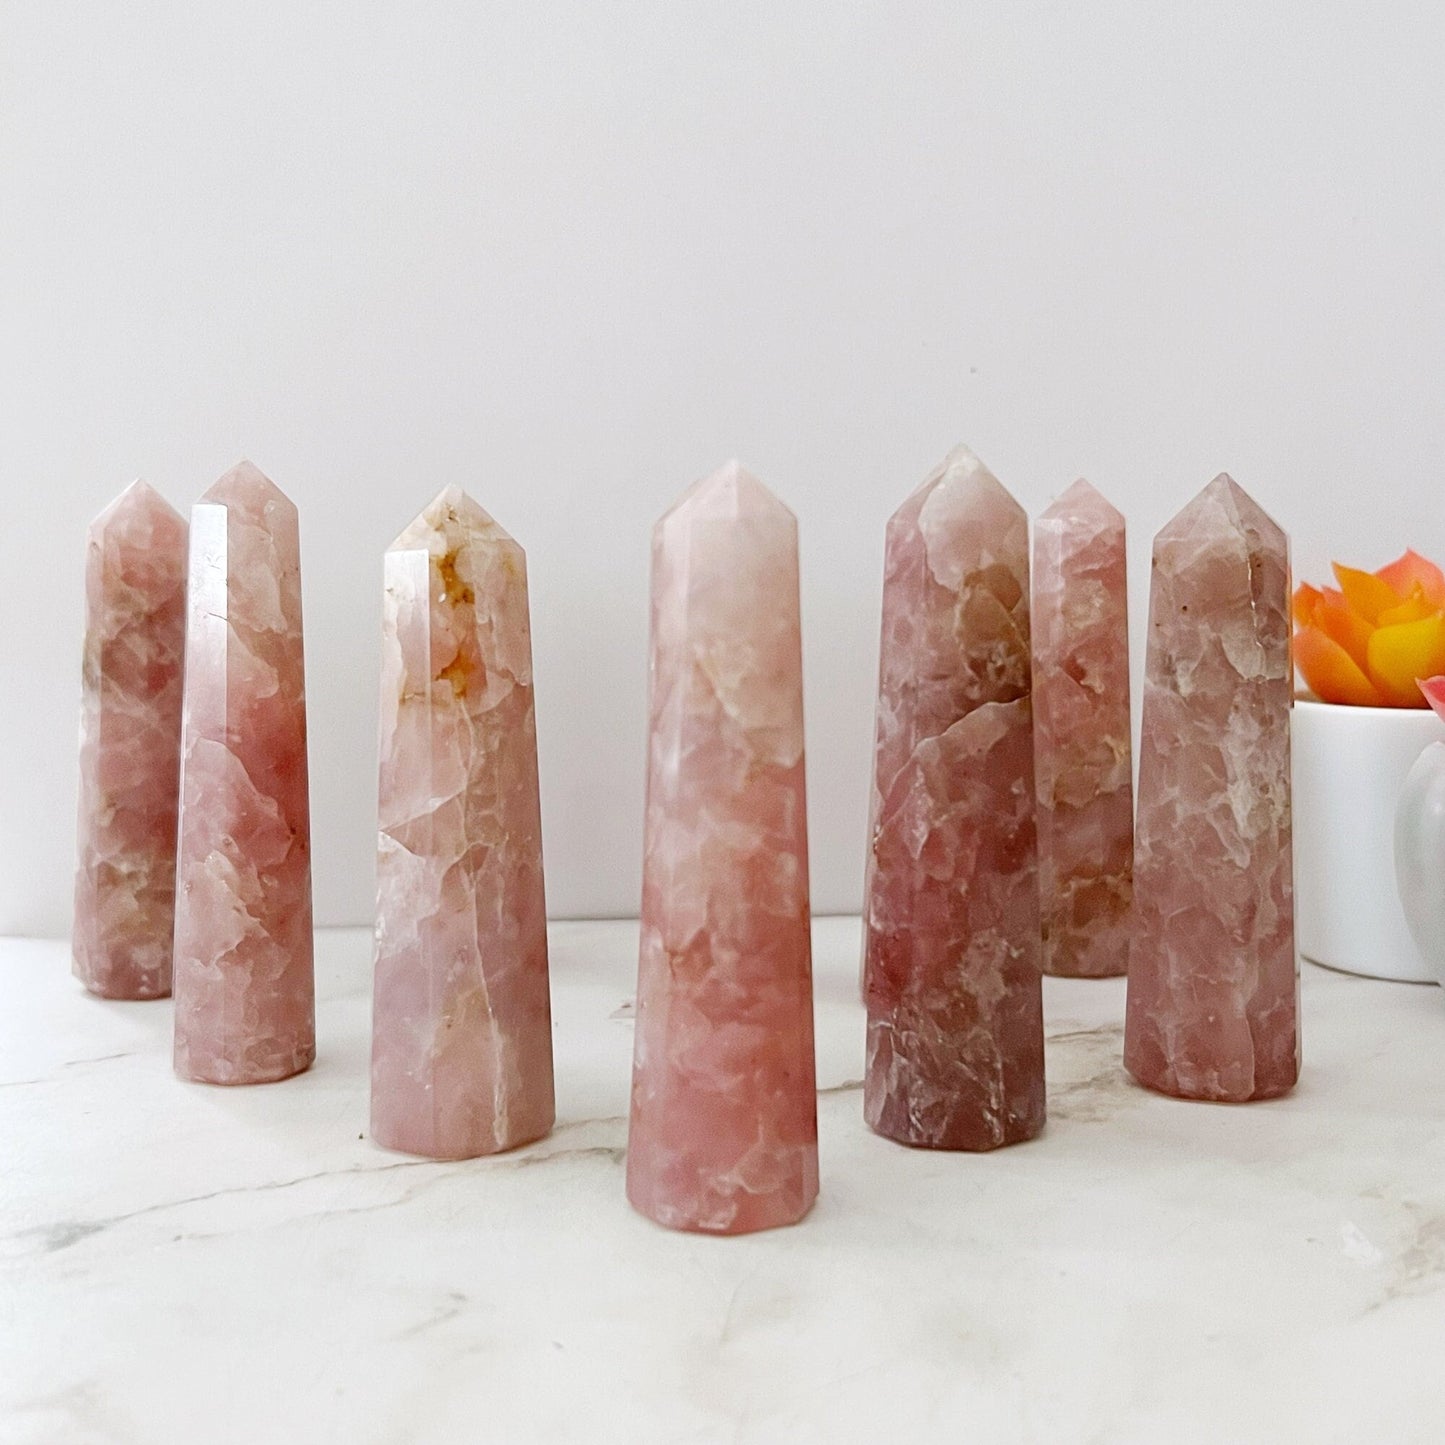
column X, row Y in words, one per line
column 951, row 948
column 130, row 744
column 724, row 1134
column 1081, row 735
column 461, row 1059
column 243, row 958
column 1213, row 982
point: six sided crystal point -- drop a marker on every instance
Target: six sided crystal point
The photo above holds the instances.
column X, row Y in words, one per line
column 461, row 1022
column 135, row 588
column 244, row 990
column 723, row 1135
column 1213, row 979
column 1082, row 753
column 955, row 1056
column 1219, row 612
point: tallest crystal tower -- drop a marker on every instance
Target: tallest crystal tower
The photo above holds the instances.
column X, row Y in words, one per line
column 724, row 1134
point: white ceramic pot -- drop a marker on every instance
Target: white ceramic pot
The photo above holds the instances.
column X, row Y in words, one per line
column 1420, row 855
column 1350, row 766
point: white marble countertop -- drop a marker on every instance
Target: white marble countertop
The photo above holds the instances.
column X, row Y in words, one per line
column 191, row 1264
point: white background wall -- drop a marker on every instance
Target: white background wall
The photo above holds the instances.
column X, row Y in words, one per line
column 573, row 256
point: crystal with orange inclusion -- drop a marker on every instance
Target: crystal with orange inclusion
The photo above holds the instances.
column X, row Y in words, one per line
column 461, row 1057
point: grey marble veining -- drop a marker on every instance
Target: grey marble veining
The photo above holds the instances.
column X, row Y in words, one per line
column 180, row 1263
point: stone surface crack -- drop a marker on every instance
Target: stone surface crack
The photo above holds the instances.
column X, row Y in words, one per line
column 63, row 1234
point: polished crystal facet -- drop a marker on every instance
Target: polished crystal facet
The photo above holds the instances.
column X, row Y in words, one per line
column 951, row 952
column 461, row 1025
column 1213, row 981
column 130, row 740
column 723, row 1135
column 1081, row 735
column 243, row 960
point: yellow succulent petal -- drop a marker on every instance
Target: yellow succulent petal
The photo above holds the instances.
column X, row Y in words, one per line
column 1415, row 607
column 1367, row 594
column 1330, row 672
column 1401, row 653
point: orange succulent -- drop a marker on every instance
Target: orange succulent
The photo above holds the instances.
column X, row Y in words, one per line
column 1367, row 641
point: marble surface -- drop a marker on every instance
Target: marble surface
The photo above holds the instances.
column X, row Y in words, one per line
column 185, row 1263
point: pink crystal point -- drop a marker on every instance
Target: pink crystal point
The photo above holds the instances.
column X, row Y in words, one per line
column 1081, row 735
column 724, row 1134
column 461, row 1060
column 1212, row 1010
column 951, row 948
column 243, row 969
column 130, row 739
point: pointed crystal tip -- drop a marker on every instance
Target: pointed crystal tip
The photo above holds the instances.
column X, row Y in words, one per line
column 1223, row 496
column 450, row 515
column 140, row 491
column 245, row 485
column 727, row 494
column 962, row 467
column 962, row 461
column 959, row 481
column 140, row 499
column 1080, row 501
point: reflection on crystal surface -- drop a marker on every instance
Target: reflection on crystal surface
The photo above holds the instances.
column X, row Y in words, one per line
column 243, row 959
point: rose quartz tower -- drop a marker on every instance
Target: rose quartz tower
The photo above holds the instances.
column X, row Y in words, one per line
column 724, row 1133
column 243, row 980
column 130, row 747
column 951, row 946
column 461, row 1056
column 1212, row 1010
column 1081, row 735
